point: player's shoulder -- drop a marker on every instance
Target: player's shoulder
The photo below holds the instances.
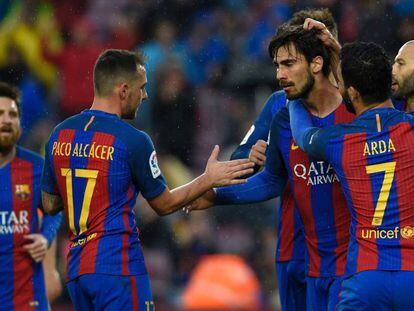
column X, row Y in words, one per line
column 278, row 97
column 402, row 116
column 276, row 101
column 29, row 156
column 72, row 122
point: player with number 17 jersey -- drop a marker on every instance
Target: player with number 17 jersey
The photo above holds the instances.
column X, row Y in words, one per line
column 99, row 163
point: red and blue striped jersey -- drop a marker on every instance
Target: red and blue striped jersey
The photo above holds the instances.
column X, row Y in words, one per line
column 290, row 237
column 317, row 193
column 98, row 164
column 373, row 157
column 22, row 284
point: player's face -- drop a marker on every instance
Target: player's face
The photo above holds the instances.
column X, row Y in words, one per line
column 293, row 72
column 403, row 72
column 9, row 124
column 137, row 93
column 344, row 92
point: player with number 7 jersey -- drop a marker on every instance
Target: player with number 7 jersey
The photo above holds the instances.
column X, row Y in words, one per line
column 373, row 157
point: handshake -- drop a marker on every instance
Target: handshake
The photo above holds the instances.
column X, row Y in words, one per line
column 225, row 174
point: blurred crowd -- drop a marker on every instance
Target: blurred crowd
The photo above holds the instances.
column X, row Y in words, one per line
column 208, row 75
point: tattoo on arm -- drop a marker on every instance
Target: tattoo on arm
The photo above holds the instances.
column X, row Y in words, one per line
column 52, row 204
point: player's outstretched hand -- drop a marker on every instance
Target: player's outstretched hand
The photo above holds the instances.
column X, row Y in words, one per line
column 223, row 173
column 37, row 248
column 258, row 152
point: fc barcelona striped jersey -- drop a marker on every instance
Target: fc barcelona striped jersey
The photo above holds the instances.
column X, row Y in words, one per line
column 290, row 238
column 317, row 193
column 98, row 164
column 22, row 284
column 373, row 157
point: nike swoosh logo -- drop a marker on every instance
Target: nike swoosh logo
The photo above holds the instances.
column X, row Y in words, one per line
column 294, row 147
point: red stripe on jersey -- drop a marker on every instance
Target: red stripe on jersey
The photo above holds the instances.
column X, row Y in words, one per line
column 99, row 205
column 341, row 211
column 342, row 115
column 402, row 137
column 342, row 223
column 134, row 293
column 125, row 237
column 22, row 187
column 287, row 223
column 125, row 242
column 354, row 164
column 302, row 193
column 61, row 161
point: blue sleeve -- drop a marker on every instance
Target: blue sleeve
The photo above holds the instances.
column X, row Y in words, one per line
column 261, row 127
column 261, row 187
column 50, row 226
column 310, row 139
column 267, row 184
column 142, row 158
column 49, row 183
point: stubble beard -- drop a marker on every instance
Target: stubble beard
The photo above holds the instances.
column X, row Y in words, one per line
column 406, row 89
column 306, row 89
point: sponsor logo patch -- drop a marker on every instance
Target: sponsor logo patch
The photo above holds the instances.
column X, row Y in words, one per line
column 153, row 163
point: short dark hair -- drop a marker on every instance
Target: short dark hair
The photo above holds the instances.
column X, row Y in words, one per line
column 12, row 92
column 304, row 41
column 114, row 66
column 321, row 15
column 367, row 68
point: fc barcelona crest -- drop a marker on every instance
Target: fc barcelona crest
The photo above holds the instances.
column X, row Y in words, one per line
column 22, row 191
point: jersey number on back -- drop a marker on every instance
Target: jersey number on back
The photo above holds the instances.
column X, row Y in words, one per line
column 91, row 175
column 389, row 170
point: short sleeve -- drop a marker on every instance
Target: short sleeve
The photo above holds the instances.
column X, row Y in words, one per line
column 146, row 173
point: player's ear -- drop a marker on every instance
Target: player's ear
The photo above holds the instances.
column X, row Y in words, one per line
column 123, row 91
column 316, row 65
column 353, row 93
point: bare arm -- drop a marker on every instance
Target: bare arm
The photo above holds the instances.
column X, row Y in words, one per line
column 52, row 203
column 52, row 278
column 216, row 174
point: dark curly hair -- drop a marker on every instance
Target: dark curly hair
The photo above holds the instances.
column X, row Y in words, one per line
column 304, row 41
column 321, row 15
column 367, row 67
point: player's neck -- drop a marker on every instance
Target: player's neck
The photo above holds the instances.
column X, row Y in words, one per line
column 7, row 156
column 361, row 107
column 323, row 99
column 106, row 104
column 410, row 104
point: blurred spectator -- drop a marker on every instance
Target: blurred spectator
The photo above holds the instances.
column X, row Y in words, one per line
column 25, row 27
column 174, row 113
column 33, row 103
column 205, row 47
column 76, row 61
column 222, row 282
